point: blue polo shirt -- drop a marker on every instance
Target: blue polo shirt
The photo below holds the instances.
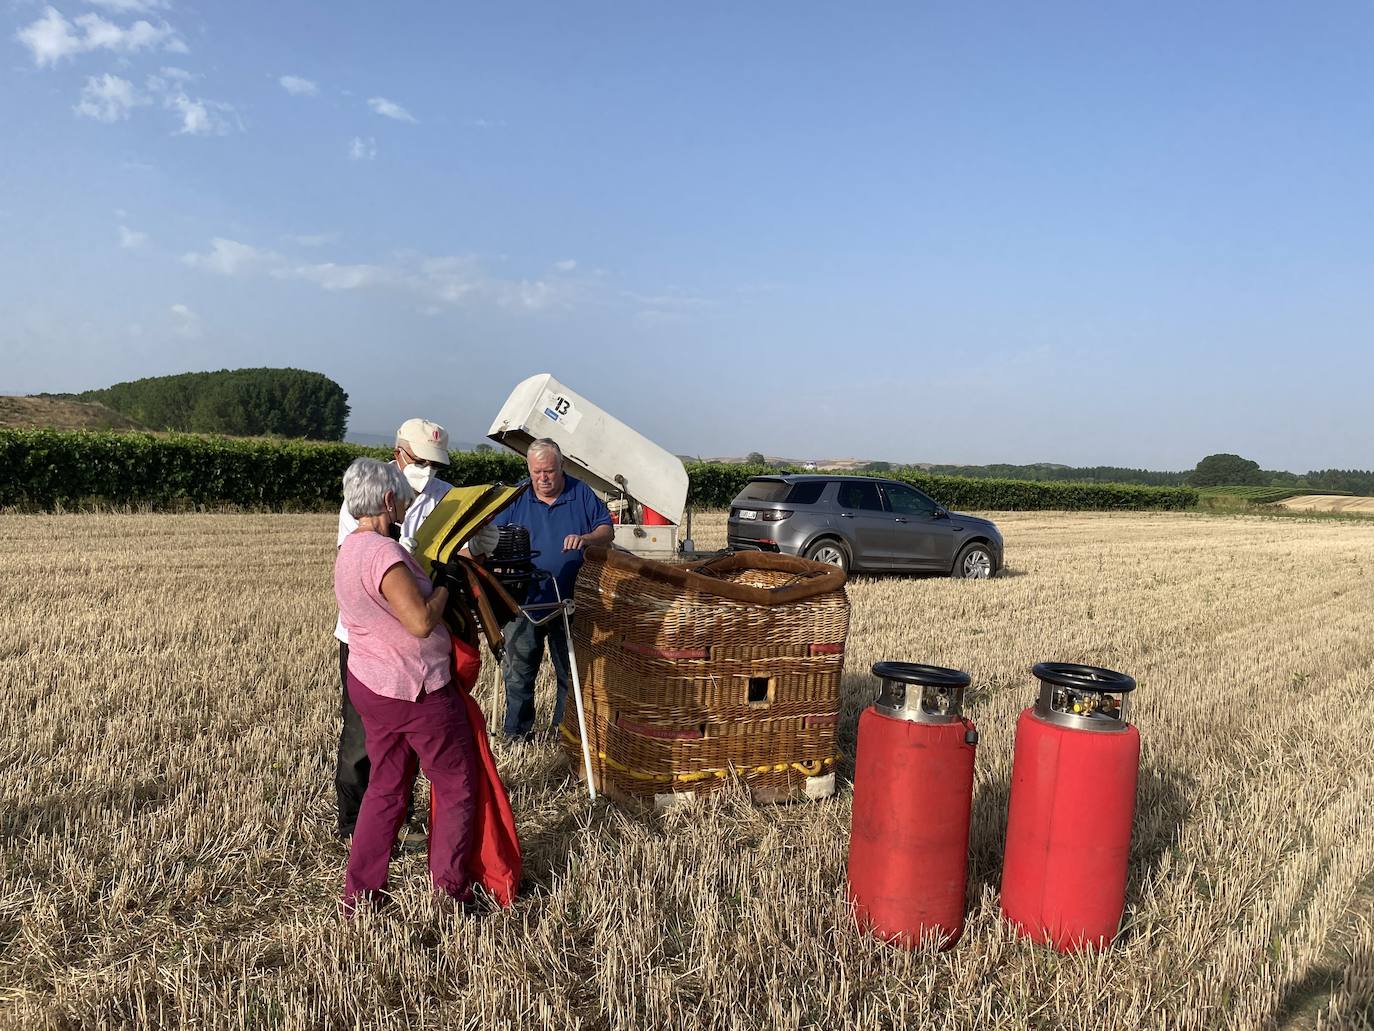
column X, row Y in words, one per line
column 576, row 510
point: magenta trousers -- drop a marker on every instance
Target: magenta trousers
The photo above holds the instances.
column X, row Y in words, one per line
column 434, row 731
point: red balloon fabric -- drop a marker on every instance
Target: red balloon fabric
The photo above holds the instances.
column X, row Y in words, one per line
column 494, row 862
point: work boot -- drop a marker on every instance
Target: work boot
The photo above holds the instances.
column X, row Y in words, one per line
column 412, row 836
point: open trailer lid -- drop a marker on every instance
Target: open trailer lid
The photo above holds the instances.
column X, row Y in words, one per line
column 597, row 448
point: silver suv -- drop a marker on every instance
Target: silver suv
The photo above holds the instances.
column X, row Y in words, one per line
column 864, row 524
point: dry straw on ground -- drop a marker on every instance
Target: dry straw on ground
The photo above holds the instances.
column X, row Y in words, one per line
column 166, row 805
column 1329, row 503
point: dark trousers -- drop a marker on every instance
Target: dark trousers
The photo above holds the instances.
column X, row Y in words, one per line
column 524, row 653
column 434, row 731
column 353, row 769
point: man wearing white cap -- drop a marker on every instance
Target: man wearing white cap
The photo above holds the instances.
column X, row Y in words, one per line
column 421, row 449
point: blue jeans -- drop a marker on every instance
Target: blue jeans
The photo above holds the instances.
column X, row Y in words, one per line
column 524, row 653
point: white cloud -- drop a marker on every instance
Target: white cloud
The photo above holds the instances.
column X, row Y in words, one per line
column 565, row 266
column 673, row 305
column 230, row 258
column 108, row 98
column 298, row 87
column 52, row 37
column 185, row 322
column 445, row 281
column 672, row 299
column 200, row 117
column 314, row 239
column 362, row 149
column 131, row 6
column 390, row 109
column 130, row 239
column 329, row 276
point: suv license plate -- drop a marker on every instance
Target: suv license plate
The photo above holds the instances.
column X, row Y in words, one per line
column 748, row 513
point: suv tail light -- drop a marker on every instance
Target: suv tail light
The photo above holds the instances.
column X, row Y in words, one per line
column 776, row 515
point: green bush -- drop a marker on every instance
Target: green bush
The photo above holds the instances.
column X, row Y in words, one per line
column 46, row 469
column 715, row 486
column 49, row 468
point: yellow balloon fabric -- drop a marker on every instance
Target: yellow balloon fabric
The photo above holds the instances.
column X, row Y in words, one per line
column 459, row 515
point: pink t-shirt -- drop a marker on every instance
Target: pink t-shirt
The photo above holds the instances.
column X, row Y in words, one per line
column 382, row 653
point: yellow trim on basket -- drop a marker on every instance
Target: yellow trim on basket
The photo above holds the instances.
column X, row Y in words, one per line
column 810, row 769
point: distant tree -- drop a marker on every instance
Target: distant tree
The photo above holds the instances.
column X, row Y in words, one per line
column 484, row 449
column 755, row 458
column 1227, row 470
column 237, row 402
column 879, row 467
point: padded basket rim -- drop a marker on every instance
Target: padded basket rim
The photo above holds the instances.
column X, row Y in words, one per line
column 819, row 578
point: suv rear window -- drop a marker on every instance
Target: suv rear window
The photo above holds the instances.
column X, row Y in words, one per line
column 763, row 490
column 806, row 493
column 859, row 495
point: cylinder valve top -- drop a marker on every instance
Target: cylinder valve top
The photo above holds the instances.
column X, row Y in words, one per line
column 921, row 694
column 1083, row 697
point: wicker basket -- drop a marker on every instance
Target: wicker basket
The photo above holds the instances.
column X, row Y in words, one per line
column 693, row 673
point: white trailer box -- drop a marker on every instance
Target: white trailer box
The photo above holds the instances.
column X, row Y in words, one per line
column 607, row 455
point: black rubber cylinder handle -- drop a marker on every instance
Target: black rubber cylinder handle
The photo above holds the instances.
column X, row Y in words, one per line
column 916, row 673
column 1082, row 678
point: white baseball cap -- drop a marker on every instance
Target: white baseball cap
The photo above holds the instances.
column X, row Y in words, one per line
column 424, row 439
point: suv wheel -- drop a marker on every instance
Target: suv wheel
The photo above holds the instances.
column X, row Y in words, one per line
column 974, row 563
column 831, row 552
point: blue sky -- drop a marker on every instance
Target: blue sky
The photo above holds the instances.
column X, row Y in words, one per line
column 1126, row 234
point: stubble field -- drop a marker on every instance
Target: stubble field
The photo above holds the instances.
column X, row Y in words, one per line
column 166, row 803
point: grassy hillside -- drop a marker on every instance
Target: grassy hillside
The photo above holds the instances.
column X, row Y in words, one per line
column 59, row 413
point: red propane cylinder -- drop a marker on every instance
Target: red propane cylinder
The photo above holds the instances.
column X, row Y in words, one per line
column 652, row 518
column 913, row 788
column 1073, row 783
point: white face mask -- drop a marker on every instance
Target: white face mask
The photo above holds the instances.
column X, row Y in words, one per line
column 418, row 476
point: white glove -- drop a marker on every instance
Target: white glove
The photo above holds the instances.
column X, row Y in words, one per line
column 484, row 541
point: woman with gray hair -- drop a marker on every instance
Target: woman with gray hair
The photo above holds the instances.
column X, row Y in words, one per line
column 399, row 672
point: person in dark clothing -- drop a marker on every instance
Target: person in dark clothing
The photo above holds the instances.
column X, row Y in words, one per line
column 563, row 516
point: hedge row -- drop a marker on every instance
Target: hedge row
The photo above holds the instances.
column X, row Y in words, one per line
column 45, row 469
column 715, row 485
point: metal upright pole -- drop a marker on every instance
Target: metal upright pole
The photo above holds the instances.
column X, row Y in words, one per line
column 577, row 694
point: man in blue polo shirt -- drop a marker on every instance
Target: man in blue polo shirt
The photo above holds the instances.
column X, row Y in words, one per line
column 563, row 516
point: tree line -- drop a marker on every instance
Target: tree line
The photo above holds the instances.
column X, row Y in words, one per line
column 234, row 402
column 1219, row 470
